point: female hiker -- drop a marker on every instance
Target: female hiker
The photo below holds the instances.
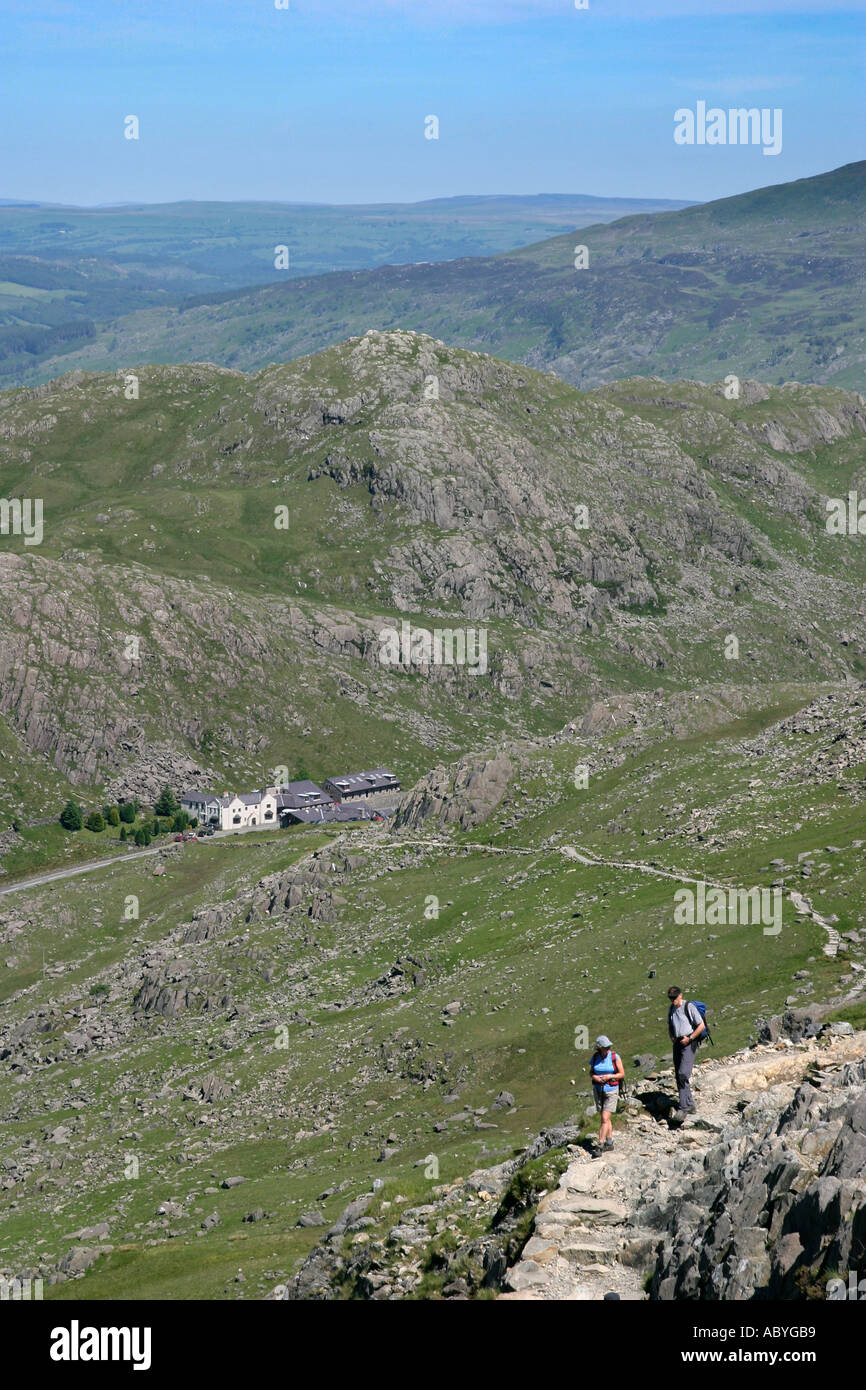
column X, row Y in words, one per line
column 607, row 1071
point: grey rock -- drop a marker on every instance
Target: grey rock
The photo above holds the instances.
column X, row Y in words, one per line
column 310, row 1218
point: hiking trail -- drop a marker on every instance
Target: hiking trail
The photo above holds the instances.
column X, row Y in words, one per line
column 598, row 1232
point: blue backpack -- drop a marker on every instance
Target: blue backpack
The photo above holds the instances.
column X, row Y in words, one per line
column 702, row 1010
column 706, row 1036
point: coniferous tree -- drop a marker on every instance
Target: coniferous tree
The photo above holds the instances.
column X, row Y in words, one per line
column 71, row 817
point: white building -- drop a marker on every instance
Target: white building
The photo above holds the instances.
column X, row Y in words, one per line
column 232, row 812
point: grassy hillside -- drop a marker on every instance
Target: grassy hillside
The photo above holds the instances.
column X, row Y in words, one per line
column 768, row 284
column 309, row 1011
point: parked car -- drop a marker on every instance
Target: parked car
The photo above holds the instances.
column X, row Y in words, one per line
column 211, row 830
column 178, row 838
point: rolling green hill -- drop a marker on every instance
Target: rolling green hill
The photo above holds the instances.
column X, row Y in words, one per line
column 253, row 535
column 185, row 1096
column 64, row 270
column 769, row 284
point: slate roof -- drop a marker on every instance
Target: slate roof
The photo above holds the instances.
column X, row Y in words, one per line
column 378, row 780
column 299, row 794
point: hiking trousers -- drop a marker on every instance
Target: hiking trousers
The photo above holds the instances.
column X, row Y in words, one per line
column 684, row 1060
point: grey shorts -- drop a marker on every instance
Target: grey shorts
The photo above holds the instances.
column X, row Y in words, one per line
column 608, row 1103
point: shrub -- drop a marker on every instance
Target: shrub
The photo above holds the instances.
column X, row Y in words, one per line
column 127, row 812
column 181, row 821
column 113, row 816
column 95, row 822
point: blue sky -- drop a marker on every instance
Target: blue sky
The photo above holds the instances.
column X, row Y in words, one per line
column 326, row 101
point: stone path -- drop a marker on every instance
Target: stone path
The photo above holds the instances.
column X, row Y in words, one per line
column 597, row 1232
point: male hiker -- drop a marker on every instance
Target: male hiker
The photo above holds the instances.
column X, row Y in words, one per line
column 685, row 1026
column 607, row 1071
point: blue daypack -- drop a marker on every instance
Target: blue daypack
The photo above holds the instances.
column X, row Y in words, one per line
column 702, row 1010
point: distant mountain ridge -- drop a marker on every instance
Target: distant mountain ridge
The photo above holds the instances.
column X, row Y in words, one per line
column 768, row 284
column 67, row 272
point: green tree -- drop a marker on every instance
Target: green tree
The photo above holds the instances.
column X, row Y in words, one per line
column 166, row 803
column 95, row 821
column 113, row 815
column 71, row 817
column 143, row 835
column 123, row 833
column 181, row 821
column 127, row 812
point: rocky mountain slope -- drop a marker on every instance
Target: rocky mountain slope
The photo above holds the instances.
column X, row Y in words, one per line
column 226, row 550
column 767, row 284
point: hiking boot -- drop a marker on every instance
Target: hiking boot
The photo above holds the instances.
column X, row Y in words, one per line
column 607, row 1145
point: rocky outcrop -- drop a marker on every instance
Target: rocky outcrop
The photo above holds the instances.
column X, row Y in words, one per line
column 783, row 1213
column 464, row 797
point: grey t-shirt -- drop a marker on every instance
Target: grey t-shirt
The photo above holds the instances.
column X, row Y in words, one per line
column 684, row 1020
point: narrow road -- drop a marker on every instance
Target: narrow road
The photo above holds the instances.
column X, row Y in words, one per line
column 50, row 875
column 801, row 904
column 39, row 879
